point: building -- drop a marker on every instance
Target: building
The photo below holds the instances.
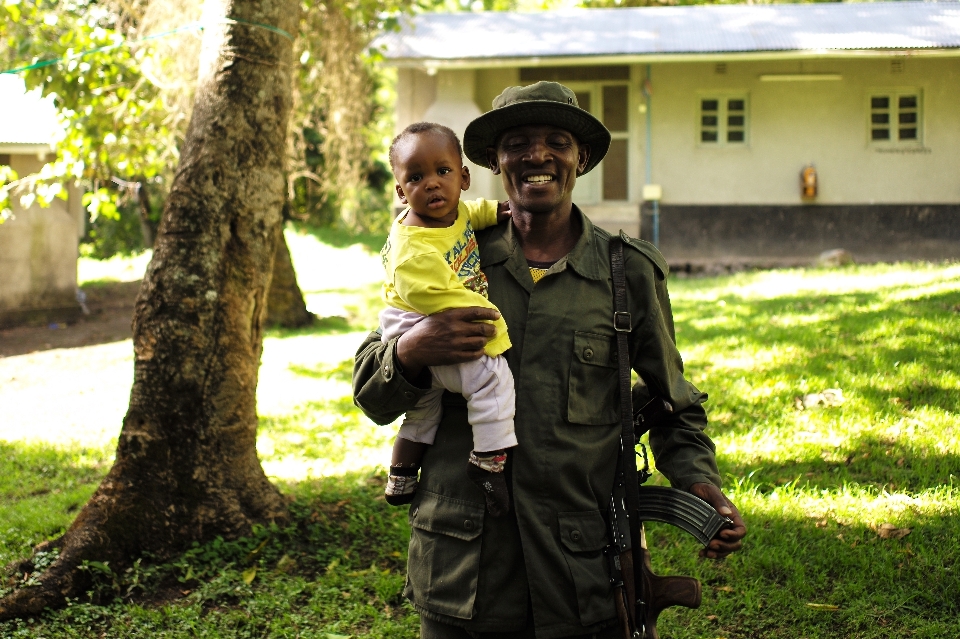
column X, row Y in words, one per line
column 723, row 107
column 38, row 246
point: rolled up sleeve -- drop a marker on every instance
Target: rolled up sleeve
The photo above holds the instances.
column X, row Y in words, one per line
column 684, row 453
column 379, row 388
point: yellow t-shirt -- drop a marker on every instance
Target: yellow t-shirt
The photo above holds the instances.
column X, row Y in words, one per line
column 429, row 270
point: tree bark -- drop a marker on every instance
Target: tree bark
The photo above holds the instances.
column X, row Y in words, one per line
column 147, row 227
column 186, row 465
column 285, row 305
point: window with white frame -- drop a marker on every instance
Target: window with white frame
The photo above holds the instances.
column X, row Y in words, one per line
column 895, row 116
column 722, row 120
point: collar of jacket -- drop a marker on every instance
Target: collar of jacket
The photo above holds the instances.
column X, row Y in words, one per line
column 502, row 246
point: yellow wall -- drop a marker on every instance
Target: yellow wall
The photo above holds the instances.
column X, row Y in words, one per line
column 795, row 123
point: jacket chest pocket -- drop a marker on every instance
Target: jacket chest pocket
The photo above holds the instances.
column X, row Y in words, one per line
column 592, row 396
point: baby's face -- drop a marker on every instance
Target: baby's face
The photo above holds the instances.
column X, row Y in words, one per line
column 430, row 174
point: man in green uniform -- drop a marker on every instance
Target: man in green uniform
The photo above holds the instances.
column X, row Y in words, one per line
column 540, row 572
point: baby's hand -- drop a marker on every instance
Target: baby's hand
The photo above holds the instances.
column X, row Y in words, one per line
column 503, row 212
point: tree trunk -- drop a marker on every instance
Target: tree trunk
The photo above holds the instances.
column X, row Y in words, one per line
column 147, row 227
column 186, row 466
column 285, row 305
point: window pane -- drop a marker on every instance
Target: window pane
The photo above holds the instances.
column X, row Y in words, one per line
column 735, row 105
column 908, row 102
column 908, row 118
column 908, row 134
column 615, row 171
column 708, row 136
column 709, row 105
column 709, row 120
column 735, row 120
column 583, row 99
column 880, row 103
column 615, row 107
column 734, row 136
column 880, row 134
column 880, row 118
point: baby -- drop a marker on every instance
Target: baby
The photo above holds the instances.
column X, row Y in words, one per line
column 432, row 264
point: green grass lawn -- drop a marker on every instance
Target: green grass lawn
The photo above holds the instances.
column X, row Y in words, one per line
column 853, row 503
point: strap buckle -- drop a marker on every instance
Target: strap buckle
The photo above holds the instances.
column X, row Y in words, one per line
column 622, row 322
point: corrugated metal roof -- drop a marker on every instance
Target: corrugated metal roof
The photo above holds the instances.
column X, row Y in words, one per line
column 675, row 30
column 25, row 118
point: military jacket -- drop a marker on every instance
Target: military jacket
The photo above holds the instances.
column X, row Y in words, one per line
column 481, row 573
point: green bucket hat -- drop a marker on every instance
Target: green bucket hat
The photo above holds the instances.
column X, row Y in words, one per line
column 541, row 103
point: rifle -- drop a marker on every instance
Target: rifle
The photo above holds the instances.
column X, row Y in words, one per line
column 641, row 595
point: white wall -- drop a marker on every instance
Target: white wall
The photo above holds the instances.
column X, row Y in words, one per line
column 38, row 251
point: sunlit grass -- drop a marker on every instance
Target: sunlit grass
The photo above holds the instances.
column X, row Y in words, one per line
column 819, row 483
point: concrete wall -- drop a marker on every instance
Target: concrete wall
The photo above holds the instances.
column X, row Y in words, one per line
column 38, row 258
column 695, row 237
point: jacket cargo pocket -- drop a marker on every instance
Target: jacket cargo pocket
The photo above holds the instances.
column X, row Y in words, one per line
column 444, row 558
column 592, row 392
column 583, row 536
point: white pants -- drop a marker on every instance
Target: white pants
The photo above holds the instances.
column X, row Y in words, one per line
column 486, row 383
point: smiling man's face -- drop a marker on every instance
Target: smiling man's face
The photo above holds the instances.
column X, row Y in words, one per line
column 539, row 165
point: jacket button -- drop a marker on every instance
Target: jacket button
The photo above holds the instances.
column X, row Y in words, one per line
column 386, row 372
column 587, row 353
column 575, row 535
column 408, row 394
column 468, row 525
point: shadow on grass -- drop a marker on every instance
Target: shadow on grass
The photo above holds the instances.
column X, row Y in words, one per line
column 342, row 372
column 340, row 238
column 891, row 356
column 810, row 577
column 41, row 489
column 318, row 327
column 868, row 461
column 334, row 569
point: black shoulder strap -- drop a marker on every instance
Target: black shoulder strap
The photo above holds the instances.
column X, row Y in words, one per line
column 622, row 324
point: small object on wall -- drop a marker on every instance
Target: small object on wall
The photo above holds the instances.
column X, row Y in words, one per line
column 808, row 182
column 652, row 192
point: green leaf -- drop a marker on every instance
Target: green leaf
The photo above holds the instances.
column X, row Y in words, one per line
column 249, row 575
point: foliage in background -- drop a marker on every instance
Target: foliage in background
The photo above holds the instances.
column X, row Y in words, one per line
column 124, row 108
column 341, row 122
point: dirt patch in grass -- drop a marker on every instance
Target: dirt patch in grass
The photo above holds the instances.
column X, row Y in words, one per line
column 111, row 311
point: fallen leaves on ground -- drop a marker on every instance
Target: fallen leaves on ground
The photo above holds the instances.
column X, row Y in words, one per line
column 889, row 531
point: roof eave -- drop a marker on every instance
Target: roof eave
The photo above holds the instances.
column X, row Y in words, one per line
column 429, row 64
column 25, row 148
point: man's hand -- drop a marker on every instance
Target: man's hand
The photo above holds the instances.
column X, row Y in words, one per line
column 450, row 337
column 727, row 540
column 503, row 212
